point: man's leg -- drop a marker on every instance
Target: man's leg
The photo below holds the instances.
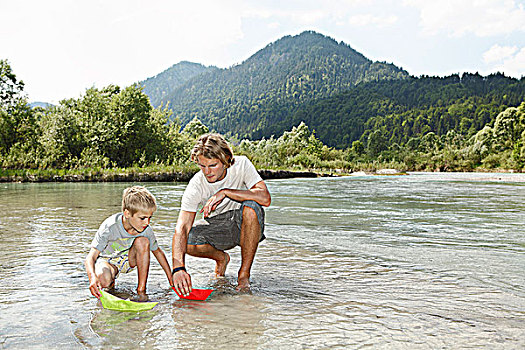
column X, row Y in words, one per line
column 139, row 256
column 250, row 236
column 210, row 252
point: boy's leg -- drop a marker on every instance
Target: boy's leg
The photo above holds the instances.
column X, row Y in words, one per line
column 139, row 256
column 106, row 273
column 208, row 251
column 249, row 241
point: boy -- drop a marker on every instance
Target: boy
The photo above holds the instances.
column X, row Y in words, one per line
column 123, row 242
column 231, row 194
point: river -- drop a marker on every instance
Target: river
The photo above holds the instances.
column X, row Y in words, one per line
column 422, row 261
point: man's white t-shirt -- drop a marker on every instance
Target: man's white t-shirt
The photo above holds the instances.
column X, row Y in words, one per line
column 242, row 175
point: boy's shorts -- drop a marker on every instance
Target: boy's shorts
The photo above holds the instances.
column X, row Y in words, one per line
column 121, row 262
column 223, row 231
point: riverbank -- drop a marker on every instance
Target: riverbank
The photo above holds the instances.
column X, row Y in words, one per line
column 140, row 176
column 184, row 174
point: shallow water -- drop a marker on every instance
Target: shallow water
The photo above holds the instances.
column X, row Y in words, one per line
column 422, row 261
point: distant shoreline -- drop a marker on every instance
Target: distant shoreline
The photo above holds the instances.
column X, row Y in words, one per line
column 175, row 176
column 266, row 174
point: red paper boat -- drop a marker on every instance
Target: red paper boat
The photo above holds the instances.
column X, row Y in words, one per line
column 196, row 294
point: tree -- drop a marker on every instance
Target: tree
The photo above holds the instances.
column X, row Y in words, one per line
column 195, row 128
column 109, row 127
column 376, row 143
column 60, row 138
column 508, row 127
column 17, row 122
column 11, row 89
column 358, row 148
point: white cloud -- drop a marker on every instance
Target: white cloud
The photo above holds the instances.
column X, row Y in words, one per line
column 305, row 12
column 499, row 53
column 515, row 66
column 303, row 17
column 75, row 45
column 482, row 18
column 511, row 61
column 369, row 19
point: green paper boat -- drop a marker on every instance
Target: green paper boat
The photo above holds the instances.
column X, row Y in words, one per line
column 112, row 302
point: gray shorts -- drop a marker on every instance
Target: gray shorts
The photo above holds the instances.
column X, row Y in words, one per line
column 223, row 231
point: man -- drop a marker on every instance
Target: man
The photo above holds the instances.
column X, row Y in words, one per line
column 231, row 194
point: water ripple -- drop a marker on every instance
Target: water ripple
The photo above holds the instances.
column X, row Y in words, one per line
column 423, row 261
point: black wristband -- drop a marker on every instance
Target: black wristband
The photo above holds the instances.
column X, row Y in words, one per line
column 180, row 268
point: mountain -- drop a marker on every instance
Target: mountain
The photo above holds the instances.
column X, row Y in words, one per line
column 159, row 86
column 40, row 104
column 270, row 85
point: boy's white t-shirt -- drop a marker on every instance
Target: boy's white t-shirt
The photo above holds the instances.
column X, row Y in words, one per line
column 112, row 239
column 242, row 175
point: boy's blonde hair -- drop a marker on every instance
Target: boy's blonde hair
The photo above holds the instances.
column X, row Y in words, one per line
column 137, row 198
column 213, row 146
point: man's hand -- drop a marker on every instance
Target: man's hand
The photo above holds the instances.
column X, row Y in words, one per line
column 181, row 279
column 182, row 283
column 212, row 203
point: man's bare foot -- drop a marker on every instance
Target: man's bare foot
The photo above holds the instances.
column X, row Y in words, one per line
column 243, row 284
column 220, row 269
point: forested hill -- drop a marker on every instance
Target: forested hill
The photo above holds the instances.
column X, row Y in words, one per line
column 270, row 85
column 159, row 86
column 400, row 110
column 335, row 90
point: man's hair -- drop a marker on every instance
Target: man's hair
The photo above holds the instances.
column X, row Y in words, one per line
column 137, row 198
column 213, row 146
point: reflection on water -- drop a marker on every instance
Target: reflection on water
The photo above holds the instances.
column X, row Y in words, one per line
column 422, row 261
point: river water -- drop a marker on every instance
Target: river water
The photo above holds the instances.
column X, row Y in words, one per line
column 423, row 261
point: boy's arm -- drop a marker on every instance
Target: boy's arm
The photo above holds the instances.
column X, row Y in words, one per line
column 181, row 279
column 163, row 261
column 94, row 284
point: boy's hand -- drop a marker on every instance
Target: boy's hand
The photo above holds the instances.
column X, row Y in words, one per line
column 94, row 287
column 182, row 283
column 94, row 283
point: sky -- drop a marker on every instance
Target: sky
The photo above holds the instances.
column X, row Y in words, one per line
column 60, row 48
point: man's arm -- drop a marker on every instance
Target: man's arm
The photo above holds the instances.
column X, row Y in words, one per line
column 94, row 284
column 258, row 193
column 181, row 279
